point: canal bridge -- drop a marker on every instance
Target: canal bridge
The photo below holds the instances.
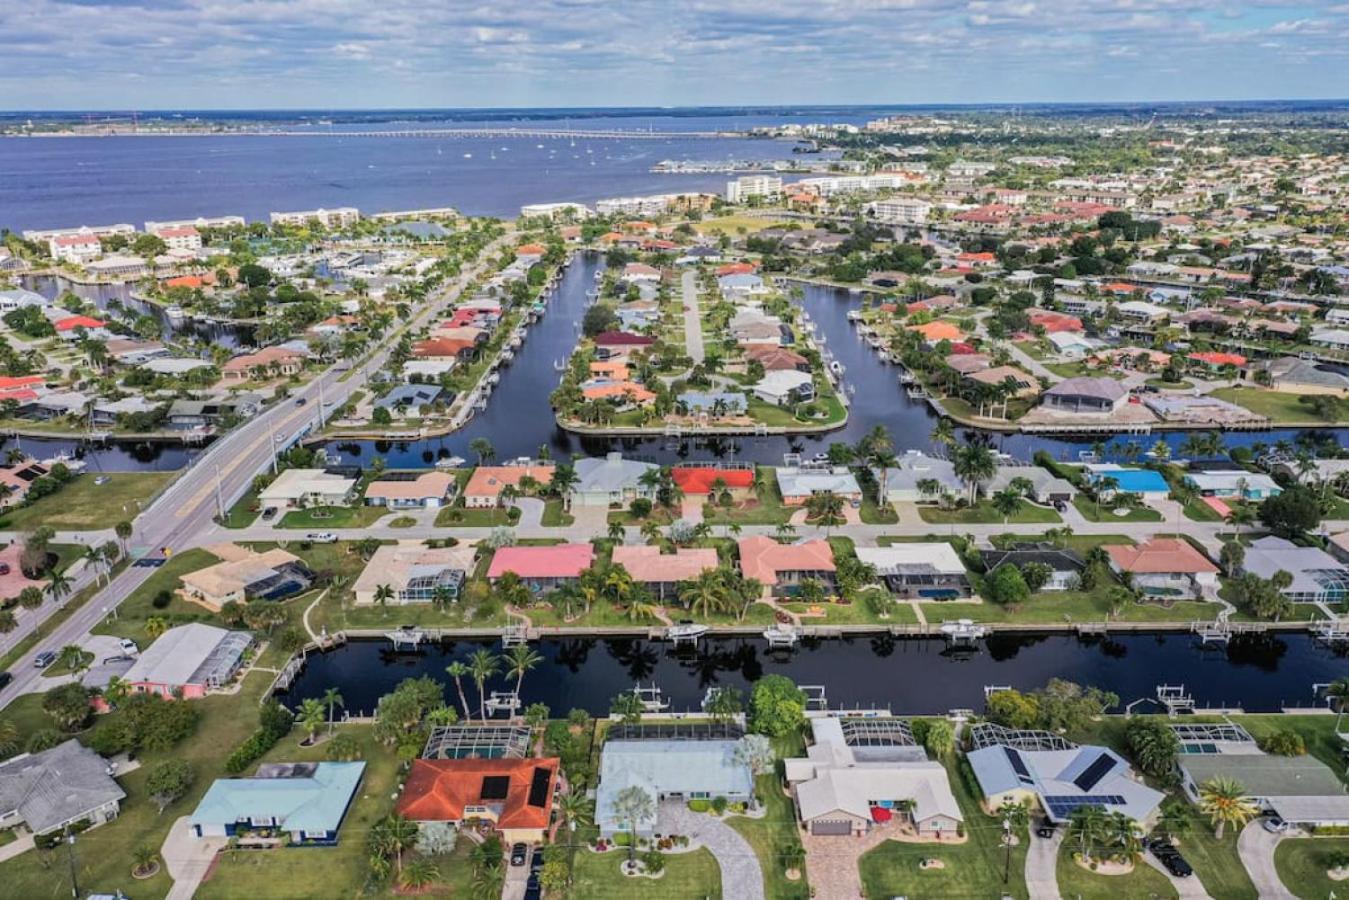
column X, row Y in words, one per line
column 537, row 133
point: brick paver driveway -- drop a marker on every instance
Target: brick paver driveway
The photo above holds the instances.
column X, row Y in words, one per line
column 741, row 877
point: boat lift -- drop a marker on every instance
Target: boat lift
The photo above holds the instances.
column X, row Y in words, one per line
column 781, row 637
column 1175, row 698
column 497, row 701
column 406, row 637
column 963, row 632
column 652, row 699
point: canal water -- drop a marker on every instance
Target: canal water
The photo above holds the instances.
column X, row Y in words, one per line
column 1259, row 673
column 519, row 419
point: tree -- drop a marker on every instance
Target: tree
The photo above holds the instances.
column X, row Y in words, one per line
column 632, row 806
column 169, row 781
column 72, row 658
column 392, row 837
column 418, row 874
column 30, row 597
column 457, row 671
column 144, row 859
column 724, row 704
column 627, row 706
column 332, row 699
column 383, row 594
column 1013, row 709
column 1153, row 744
column 1338, row 694
column 312, row 717
column 1231, row 556
column 1087, row 825
column 342, row 747
column 1225, row 803
column 974, row 464
column 483, row 448
column 706, row 594
column 1292, row 512
column 482, row 665
column 1284, row 742
column 156, row 626
column 1006, row 586
column 68, row 705
column 58, row 586
column 777, row 706
column 1007, row 502
column 124, row 530
column 575, row 810
column 520, row 659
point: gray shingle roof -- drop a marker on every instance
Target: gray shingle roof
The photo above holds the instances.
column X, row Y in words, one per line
column 56, row 786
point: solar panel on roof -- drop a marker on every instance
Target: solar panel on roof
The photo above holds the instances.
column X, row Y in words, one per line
column 1018, row 764
column 496, row 787
column 1094, row 772
column 538, row 787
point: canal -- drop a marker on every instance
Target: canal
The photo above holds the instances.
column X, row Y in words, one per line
column 1259, row 673
column 519, row 419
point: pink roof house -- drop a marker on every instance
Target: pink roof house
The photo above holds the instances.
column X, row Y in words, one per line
column 542, row 568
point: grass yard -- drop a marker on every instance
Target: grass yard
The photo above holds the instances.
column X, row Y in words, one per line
column 687, row 876
column 1077, row 882
column 320, row 517
column 244, row 512
column 983, row 513
column 734, row 225
column 1079, row 542
column 555, row 516
column 322, row 871
column 84, row 504
column 900, row 613
column 1216, row 863
column 769, row 835
column 103, row 854
column 766, row 509
column 1091, row 513
column 1058, row 607
column 458, row 516
column 973, row 869
column 1281, row 408
column 136, row 609
column 1301, row 864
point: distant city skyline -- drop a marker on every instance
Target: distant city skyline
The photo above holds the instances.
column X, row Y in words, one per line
column 350, row 54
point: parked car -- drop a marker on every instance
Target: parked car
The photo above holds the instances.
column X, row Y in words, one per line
column 269, row 513
column 1170, row 857
column 321, row 537
column 5, row 678
column 1044, row 831
column 519, row 854
column 1274, row 825
column 129, row 647
column 4, row 569
column 300, row 401
column 44, row 659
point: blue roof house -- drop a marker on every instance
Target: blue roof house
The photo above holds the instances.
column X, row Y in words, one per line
column 307, row 800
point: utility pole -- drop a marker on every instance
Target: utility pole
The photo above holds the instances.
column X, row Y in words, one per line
column 70, row 848
column 219, row 500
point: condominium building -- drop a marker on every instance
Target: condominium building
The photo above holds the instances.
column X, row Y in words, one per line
column 179, row 237
column 901, row 211
column 328, row 218
column 199, row 222
column 747, row 186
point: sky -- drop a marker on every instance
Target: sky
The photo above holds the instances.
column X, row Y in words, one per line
column 254, row 54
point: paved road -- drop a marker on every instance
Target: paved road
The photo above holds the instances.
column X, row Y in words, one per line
column 183, row 515
column 693, row 320
column 1256, row 848
column 741, row 877
column 1042, row 860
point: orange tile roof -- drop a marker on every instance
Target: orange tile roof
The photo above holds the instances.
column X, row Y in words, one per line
column 437, row 790
column 1160, row 555
column 1219, row 359
column 648, row 565
column 630, row 390
column 487, row 481
column 699, row 479
column 761, row 558
column 938, row 331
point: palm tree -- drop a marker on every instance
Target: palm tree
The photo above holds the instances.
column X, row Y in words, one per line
column 482, row 665
column 1241, row 515
column 633, row 805
column 332, row 699
column 1338, row 692
column 457, row 671
column 1087, row 825
column 312, row 717
column 58, row 586
column 705, row 594
column 1225, row 803
column 155, row 626
column 520, row 659
column 483, row 447
column 395, row 836
column 71, row 658
column 617, row 531
column 1006, row 501
column 575, row 809
column 8, row 621
column 383, row 594
column 826, row 508
column 974, row 463
column 93, row 558
column 418, row 874
column 944, row 433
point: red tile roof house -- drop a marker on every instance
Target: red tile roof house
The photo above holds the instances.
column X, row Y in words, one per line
column 782, row 567
column 512, row 796
column 663, row 572
column 1053, row 322
column 1166, row 568
column 70, row 328
column 542, row 568
column 699, row 479
column 268, row 360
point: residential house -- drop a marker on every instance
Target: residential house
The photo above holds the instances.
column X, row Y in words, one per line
column 609, row 480
column 243, row 575
column 62, row 786
column 513, row 797
column 1046, row 488
column 189, row 660
column 542, row 568
column 783, row 387
column 416, row 573
column 1086, row 395
column 616, row 343
column 269, row 362
column 782, row 567
column 1234, row 483
column 662, row 573
column 777, row 359
column 861, row 773
column 712, row 403
column 798, row 484
column 307, row 800
column 1064, row 565
column 700, row 480
column 905, row 481
column 1166, row 568
column 188, row 415
column 697, row 768
column 924, row 570
column 410, row 490
column 1318, row 577
column 303, row 488
column 410, row 398
column 484, row 487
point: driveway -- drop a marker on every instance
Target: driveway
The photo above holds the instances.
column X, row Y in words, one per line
column 188, row 858
column 741, row 877
column 1042, row 860
column 1256, row 848
column 1185, row 887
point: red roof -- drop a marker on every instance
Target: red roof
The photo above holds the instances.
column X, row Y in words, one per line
column 962, row 348
column 737, row 268
column 1054, row 322
column 1219, row 359
column 622, row 339
column 762, row 558
column 1118, row 287
column 557, row 561
column 437, row 790
column 530, row 250
column 699, row 479
column 177, row 231
column 1160, row 555
column 75, row 240
column 8, row 383
column 78, row 322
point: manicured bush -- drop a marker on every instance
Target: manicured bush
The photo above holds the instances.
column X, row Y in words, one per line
column 699, row 805
column 719, row 805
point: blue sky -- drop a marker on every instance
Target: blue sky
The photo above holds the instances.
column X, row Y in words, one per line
column 146, row 54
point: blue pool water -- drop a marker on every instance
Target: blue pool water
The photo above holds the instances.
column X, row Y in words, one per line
column 1137, row 481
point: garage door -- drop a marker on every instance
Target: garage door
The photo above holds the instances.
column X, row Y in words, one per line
column 831, row 826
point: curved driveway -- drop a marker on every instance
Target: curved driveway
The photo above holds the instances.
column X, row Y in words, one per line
column 1256, row 848
column 741, row 877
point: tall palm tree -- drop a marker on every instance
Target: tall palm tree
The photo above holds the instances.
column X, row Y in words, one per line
column 383, row 594
column 58, row 585
column 93, row 558
column 457, row 671
column 483, row 448
column 1225, row 802
column 705, row 594
column 1338, row 692
column 575, row 809
column 973, row 464
column 944, row 433
column 332, row 699
column 1006, row 501
column 482, row 665
column 311, row 717
column 520, row 659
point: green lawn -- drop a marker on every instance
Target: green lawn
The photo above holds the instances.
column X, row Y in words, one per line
column 688, row 876
column 60, row 668
column 1169, row 385
column 1059, row 607
column 1301, row 864
column 1077, row 882
column 136, row 609
column 320, row 517
column 1216, row 863
column 554, row 516
column 460, row 516
column 1199, row 511
column 1282, row 408
column 1091, row 513
column 770, row 834
column 103, row 854
column 84, row 504
column 323, row 871
column 983, row 513
column 855, row 614
column 973, row 869
column 1079, row 542
column 766, row 509
column 244, row 512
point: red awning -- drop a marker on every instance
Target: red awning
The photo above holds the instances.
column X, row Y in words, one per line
column 880, row 814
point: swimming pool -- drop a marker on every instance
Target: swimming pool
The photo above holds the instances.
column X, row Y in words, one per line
column 1136, row 481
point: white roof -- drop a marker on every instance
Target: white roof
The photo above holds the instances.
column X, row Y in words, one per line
column 295, row 483
column 177, row 655
column 781, row 381
column 936, row 556
column 1219, row 480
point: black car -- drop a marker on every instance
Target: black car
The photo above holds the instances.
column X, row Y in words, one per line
column 519, row 854
column 300, row 401
column 1171, row 860
column 5, row 678
column 1045, row 829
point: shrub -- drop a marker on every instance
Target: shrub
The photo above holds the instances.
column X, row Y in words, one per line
column 654, row 862
column 699, row 805
column 719, row 805
column 1284, row 743
column 274, row 722
column 162, row 600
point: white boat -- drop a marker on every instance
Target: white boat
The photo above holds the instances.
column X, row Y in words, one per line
column 175, row 313
column 854, row 315
column 651, row 698
column 468, row 156
column 452, row 462
column 836, row 367
column 685, row 631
